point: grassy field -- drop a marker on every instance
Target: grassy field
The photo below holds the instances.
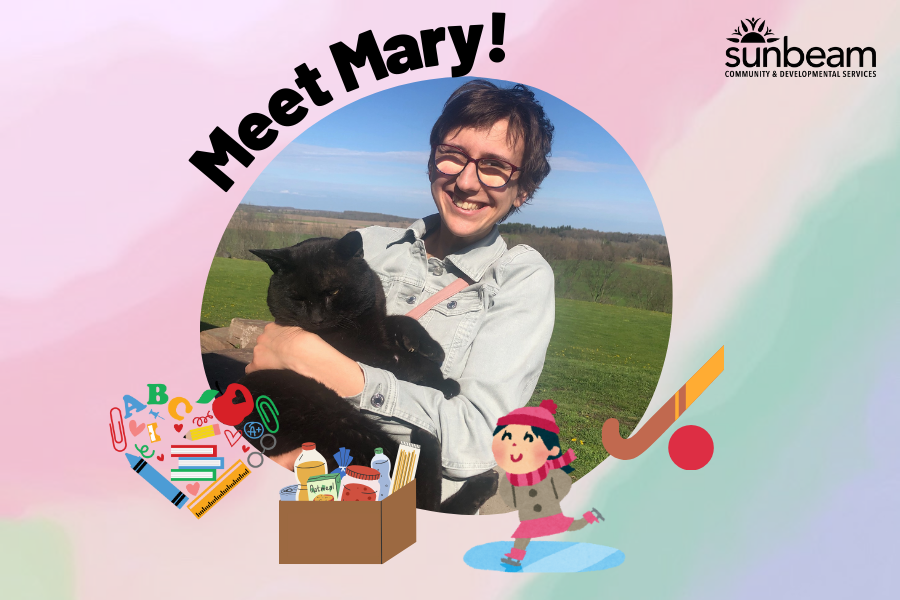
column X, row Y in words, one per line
column 657, row 268
column 603, row 360
column 647, row 287
column 235, row 288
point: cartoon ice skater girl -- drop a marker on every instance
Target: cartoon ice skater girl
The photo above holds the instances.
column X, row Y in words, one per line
column 526, row 446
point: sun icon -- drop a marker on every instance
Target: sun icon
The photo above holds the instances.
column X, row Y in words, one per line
column 752, row 34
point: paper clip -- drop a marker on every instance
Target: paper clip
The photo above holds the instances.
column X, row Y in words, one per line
column 112, row 432
column 263, row 402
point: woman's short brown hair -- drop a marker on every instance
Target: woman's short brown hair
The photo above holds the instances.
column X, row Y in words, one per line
column 480, row 104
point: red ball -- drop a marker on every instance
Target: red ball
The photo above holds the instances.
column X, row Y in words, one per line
column 691, row 447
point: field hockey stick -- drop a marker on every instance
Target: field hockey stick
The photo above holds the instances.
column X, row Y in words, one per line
column 662, row 419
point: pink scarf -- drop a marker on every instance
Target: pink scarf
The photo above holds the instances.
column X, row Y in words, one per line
column 535, row 477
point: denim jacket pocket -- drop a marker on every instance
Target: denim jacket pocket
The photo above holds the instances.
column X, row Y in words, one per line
column 453, row 323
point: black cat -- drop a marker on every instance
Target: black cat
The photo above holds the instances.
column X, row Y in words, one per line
column 325, row 286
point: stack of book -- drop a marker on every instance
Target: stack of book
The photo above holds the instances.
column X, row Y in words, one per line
column 196, row 462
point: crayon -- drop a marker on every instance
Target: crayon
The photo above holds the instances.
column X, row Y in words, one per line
column 157, row 480
column 203, row 432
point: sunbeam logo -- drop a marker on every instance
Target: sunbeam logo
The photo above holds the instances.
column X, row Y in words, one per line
column 752, row 35
column 759, row 51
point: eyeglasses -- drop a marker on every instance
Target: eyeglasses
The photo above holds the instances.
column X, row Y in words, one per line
column 492, row 172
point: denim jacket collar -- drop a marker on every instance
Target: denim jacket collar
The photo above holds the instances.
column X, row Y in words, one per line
column 473, row 260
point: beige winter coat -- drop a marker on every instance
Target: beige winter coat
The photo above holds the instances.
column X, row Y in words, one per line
column 536, row 501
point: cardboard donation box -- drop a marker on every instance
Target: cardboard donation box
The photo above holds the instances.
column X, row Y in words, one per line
column 347, row 532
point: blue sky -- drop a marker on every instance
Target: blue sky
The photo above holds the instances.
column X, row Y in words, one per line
column 371, row 156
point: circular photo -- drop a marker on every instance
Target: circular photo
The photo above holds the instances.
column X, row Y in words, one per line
column 441, row 290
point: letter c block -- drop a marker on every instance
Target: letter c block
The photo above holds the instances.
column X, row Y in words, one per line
column 173, row 407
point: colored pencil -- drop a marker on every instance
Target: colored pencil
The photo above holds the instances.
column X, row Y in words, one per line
column 203, row 432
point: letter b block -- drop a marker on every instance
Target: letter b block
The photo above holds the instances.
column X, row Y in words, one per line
column 157, row 393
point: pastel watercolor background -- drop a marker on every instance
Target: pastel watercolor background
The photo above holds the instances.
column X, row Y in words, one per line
column 780, row 203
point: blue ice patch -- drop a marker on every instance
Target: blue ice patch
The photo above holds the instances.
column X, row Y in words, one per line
column 546, row 557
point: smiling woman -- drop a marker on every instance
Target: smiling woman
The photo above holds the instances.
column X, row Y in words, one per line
column 495, row 330
column 480, row 173
column 486, row 308
column 473, row 194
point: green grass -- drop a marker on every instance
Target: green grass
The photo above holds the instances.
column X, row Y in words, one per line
column 237, row 242
column 648, row 287
column 235, row 288
column 657, row 268
column 603, row 360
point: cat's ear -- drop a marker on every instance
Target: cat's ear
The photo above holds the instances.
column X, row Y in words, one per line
column 276, row 259
column 350, row 246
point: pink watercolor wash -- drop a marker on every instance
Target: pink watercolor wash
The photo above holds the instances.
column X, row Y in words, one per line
column 113, row 233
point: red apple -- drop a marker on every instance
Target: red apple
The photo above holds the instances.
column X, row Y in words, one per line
column 229, row 412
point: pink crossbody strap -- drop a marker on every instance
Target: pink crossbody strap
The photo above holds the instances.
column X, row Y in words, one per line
column 419, row 311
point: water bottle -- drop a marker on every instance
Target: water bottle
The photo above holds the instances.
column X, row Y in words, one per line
column 382, row 464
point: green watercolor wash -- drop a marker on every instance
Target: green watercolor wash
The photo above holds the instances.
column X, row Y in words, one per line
column 36, row 561
column 797, row 348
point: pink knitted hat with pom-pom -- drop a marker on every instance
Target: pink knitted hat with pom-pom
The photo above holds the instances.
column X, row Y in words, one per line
column 533, row 416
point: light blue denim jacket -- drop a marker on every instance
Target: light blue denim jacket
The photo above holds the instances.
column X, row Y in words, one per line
column 494, row 334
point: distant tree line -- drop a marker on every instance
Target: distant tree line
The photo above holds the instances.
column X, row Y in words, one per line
column 350, row 215
column 567, row 243
column 588, row 265
column 249, row 229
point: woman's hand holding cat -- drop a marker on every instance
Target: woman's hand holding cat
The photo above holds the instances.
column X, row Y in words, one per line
column 306, row 353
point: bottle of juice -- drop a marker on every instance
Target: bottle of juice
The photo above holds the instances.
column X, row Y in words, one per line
column 382, row 464
column 308, row 464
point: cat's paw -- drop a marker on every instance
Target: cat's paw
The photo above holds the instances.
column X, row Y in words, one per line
column 450, row 387
column 431, row 350
column 410, row 336
column 472, row 495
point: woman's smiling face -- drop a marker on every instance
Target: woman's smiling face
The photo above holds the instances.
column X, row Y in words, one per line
column 517, row 450
column 469, row 209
